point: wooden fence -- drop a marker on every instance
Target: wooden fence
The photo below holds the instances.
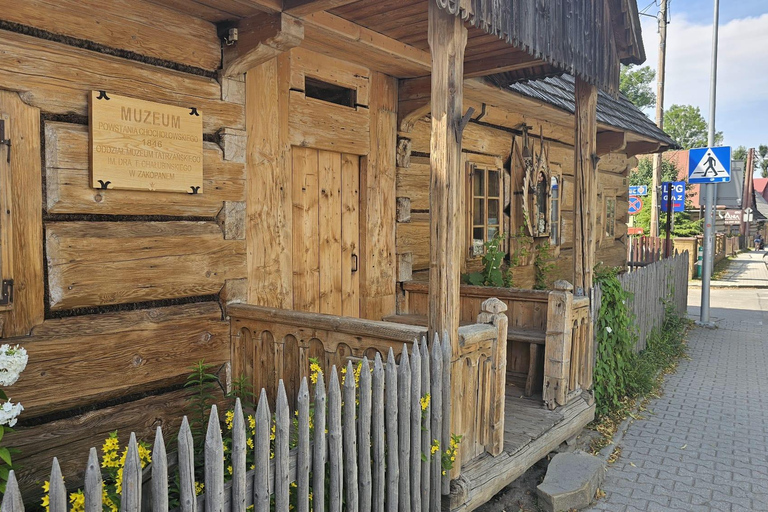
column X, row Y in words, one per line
column 374, row 442
column 650, row 287
column 644, row 250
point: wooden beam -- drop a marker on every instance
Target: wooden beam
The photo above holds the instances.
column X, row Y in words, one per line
column 409, row 112
column 261, row 38
column 585, row 160
column 641, row 148
column 609, row 142
column 489, row 65
column 334, row 36
column 305, row 7
column 447, row 41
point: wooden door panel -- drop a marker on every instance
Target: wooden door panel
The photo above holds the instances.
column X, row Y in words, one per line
column 330, row 201
column 306, row 264
column 350, row 231
column 326, row 234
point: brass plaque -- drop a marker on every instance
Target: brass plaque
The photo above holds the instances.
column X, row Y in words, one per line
column 142, row 145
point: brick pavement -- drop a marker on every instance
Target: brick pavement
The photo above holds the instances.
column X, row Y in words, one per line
column 745, row 270
column 703, row 445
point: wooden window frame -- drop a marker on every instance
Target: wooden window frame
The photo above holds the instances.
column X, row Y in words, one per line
column 555, row 223
column 609, row 235
column 470, row 224
column 6, row 218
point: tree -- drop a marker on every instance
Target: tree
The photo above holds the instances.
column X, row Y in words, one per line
column 760, row 161
column 687, row 126
column 635, row 84
column 683, row 225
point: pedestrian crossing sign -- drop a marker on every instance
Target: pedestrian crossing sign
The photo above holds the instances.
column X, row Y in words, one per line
column 709, row 165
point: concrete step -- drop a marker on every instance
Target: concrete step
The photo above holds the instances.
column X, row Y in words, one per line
column 571, row 482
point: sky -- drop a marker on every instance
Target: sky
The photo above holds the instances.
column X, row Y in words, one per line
column 742, row 78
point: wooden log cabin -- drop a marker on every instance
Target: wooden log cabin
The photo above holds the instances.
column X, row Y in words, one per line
column 348, row 146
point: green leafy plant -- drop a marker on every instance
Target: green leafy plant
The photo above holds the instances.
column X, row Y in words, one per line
column 204, row 383
column 492, row 274
column 543, row 266
column 615, row 336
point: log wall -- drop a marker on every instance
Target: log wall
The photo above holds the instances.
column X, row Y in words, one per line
column 117, row 292
column 490, row 145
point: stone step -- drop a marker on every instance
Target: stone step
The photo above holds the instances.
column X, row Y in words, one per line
column 571, row 482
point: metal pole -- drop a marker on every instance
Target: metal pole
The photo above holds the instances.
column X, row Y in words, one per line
column 660, row 74
column 709, row 189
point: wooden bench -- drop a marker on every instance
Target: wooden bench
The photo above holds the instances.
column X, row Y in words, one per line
column 534, row 338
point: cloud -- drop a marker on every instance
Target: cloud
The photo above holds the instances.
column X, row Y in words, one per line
column 742, row 86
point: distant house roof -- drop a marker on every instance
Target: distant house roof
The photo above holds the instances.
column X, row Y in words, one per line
column 761, row 187
column 621, row 113
column 761, row 207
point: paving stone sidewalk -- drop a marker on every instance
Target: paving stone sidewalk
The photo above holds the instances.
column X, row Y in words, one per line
column 704, row 444
column 745, row 270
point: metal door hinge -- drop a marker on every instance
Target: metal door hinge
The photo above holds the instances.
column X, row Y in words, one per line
column 6, row 293
column 4, row 141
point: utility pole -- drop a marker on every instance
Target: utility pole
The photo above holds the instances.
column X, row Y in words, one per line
column 659, row 116
column 746, row 201
column 710, row 188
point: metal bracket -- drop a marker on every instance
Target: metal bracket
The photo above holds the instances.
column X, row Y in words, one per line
column 4, row 141
column 104, row 184
column 463, row 124
column 193, row 111
column 595, row 160
column 195, row 190
column 102, row 96
column 6, row 295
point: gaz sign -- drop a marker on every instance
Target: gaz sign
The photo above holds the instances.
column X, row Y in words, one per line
column 678, row 196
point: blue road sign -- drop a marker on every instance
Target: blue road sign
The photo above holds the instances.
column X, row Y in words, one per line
column 638, row 190
column 678, row 196
column 709, row 165
column 635, row 205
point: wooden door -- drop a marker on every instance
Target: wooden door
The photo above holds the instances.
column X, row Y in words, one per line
column 326, row 233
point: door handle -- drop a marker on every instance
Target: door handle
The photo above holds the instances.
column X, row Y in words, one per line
column 354, row 263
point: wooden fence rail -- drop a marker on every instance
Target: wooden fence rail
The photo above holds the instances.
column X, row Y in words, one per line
column 370, row 440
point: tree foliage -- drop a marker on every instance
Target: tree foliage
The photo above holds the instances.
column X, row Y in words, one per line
column 683, row 225
column 761, row 158
column 635, row 84
column 687, row 126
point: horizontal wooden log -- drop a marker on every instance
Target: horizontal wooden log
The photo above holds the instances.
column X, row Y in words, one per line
column 70, row 439
column 413, row 237
column 100, row 263
column 261, row 37
column 68, row 187
column 136, row 26
column 413, row 182
column 58, row 79
column 116, row 354
column 323, row 125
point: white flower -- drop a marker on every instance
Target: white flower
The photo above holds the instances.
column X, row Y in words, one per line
column 609, row 330
column 13, row 360
column 9, row 412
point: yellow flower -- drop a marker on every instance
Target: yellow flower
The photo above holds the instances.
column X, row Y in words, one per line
column 47, row 487
column 77, row 499
column 314, row 372
column 229, row 417
column 293, row 485
column 46, row 502
column 249, row 442
column 424, row 402
column 251, row 422
column 229, row 468
column 199, row 488
column 435, row 446
column 253, row 466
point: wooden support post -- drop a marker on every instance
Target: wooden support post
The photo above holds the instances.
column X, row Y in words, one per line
column 585, row 199
column 447, row 40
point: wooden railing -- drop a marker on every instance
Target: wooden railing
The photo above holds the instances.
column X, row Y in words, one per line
column 269, row 345
column 478, row 376
column 569, row 349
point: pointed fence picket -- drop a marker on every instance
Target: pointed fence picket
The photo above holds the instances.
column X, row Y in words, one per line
column 377, row 452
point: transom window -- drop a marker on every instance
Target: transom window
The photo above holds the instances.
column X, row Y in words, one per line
column 486, row 207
